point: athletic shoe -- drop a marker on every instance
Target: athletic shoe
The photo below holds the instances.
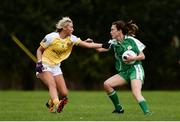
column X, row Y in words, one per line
column 148, row 113
column 50, row 106
column 59, row 107
column 49, row 103
column 118, row 111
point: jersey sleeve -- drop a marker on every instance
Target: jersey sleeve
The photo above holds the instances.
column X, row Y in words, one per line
column 75, row 40
column 46, row 41
column 112, row 42
column 140, row 45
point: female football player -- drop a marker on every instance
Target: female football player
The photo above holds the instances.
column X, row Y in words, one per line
column 122, row 40
column 53, row 49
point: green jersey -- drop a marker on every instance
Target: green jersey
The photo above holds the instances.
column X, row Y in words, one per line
column 129, row 43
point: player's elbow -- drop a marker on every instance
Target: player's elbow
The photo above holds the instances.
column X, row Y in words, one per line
column 143, row 57
column 40, row 49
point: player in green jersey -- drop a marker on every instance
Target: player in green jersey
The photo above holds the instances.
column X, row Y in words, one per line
column 122, row 40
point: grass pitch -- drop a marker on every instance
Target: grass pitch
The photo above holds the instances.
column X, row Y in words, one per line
column 88, row 106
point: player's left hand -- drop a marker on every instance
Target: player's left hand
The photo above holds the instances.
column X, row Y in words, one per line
column 39, row 67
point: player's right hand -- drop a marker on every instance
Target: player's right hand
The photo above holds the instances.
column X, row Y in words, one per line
column 39, row 67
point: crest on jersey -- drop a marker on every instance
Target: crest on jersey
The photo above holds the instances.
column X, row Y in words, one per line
column 44, row 40
column 129, row 47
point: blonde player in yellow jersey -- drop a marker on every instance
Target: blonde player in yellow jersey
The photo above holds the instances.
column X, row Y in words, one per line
column 53, row 49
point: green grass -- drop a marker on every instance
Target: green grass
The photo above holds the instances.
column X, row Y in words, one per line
column 92, row 106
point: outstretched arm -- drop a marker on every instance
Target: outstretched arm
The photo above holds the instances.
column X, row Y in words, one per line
column 99, row 47
column 105, row 47
column 88, row 44
column 102, row 49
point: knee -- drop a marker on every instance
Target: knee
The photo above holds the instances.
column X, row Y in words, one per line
column 137, row 95
column 106, row 86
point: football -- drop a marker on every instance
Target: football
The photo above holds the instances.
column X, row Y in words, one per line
column 127, row 54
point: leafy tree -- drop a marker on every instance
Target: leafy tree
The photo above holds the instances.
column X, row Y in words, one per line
column 31, row 20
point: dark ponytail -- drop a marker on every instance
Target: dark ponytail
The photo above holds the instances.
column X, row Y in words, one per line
column 132, row 28
column 128, row 28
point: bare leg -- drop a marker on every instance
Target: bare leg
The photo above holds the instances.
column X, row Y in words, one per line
column 61, row 85
column 112, row 82
column 109, row 85
column 49, row 81
column 136, row 86
column 63, row 91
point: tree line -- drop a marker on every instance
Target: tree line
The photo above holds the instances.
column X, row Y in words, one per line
column 31, row 20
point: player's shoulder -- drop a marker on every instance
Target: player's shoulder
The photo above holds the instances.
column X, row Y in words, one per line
column 127, row 37
column 73, row 37
column 132, row 38
column 140, row 45
column 135, row 40
column 52, row 34
column 112, row 41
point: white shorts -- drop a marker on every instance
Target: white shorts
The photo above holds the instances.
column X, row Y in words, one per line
column 55, row 70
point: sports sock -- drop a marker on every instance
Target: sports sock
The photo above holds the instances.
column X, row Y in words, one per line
column 56, row 101
column 144, row 106
column 114, row 98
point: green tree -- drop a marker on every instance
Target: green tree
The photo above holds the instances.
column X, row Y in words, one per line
column 31, row 20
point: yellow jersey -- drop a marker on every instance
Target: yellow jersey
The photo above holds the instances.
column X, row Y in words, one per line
column 57, row 49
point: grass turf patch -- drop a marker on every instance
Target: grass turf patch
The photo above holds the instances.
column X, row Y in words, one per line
column 88, row 105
